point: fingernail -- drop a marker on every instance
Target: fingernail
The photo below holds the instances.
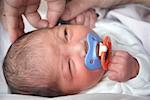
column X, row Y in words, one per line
column 51, row 25
column 52, row 22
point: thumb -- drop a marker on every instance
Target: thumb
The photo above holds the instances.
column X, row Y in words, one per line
column 75, row 7
column 55, row 10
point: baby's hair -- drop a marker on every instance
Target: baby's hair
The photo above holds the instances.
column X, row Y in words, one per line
column 22, row 69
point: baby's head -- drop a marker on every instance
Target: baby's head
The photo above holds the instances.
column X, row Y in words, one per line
column 50, row 62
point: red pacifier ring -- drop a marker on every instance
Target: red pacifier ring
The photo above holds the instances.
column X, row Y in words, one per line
column 105, row 56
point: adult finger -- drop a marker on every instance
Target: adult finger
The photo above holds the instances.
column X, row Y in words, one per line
column 55, row 10
column 75, row 7
column 93, row 18
column 33, row 15
column 80, row 19
column 87, row 19
column 11, row 21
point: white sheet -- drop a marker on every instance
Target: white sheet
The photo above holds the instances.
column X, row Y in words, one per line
column 4, row 45
column 102, row 96
column 137, row 19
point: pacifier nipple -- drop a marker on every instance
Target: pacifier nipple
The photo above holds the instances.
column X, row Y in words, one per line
column 102, row 48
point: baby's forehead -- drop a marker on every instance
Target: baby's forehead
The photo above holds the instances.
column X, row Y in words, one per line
column 47, row 31
column 41, row 36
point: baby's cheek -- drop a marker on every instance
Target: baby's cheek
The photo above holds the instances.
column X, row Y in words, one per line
column 83, row 81
column 91, row 76
column 95, row 76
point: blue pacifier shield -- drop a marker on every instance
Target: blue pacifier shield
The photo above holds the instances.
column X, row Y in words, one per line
column 92, row 61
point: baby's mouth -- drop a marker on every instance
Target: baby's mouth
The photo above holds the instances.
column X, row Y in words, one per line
column 87, row 47
column 97, row 49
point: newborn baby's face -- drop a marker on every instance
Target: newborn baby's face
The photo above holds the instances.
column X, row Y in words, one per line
column 66, row 50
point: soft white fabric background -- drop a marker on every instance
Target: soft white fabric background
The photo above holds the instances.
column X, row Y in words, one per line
column 4, row 44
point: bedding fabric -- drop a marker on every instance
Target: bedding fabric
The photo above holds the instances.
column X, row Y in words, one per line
column 102, row 96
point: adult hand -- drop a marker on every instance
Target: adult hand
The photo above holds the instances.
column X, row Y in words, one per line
column 75, row 7
column 14, row 9
column 12, row 16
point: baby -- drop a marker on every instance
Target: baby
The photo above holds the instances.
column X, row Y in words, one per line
column 50, row 62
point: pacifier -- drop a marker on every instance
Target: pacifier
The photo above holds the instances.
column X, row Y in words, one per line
column 99, row 52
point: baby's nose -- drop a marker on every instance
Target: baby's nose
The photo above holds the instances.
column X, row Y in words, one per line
column 79, row 48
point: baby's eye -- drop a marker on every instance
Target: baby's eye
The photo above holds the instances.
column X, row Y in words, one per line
column 69, row 65
column 66, row 34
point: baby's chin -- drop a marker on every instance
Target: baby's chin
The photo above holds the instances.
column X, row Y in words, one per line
column 95, row 77
column 101, row 74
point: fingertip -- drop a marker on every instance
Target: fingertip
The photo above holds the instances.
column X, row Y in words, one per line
column 52, row 19
column 43, row 24
column 52, row 23
column 80, row 19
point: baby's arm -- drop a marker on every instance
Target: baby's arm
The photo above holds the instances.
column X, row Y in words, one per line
column 122, row 66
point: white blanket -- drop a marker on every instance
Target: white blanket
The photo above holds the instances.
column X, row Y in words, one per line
column 4, row 45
